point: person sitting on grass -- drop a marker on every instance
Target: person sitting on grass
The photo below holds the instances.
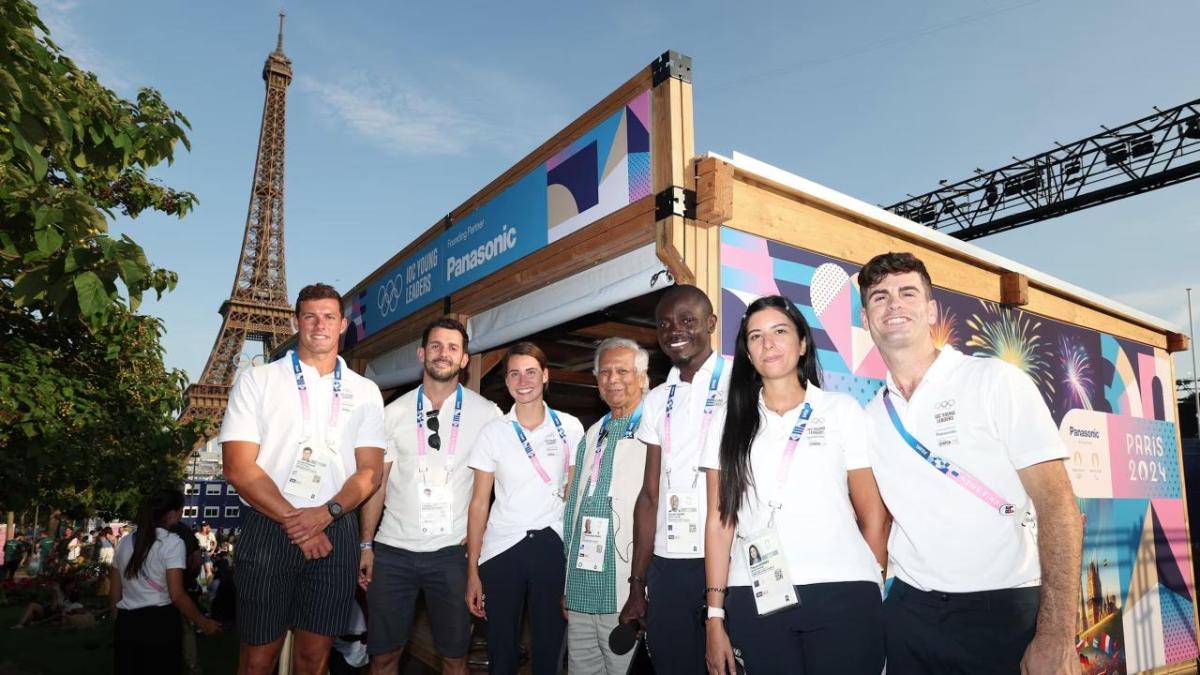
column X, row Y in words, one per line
column 56, row 605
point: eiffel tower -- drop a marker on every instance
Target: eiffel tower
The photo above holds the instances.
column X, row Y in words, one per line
column 259, row 307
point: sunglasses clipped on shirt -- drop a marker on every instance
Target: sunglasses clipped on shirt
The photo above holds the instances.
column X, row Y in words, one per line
column 431, row 423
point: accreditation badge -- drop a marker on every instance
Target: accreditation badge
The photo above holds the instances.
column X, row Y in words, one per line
column 769, row 579
column 683, row 522
column 309, row 470
column 593, row 539
column 436, row 512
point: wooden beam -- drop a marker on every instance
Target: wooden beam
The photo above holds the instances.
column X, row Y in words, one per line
column 1177, row 342
column 642, row 335
column 480, row 365
column 1014, row 288
column 671, row 140
column 581, row 378
column 714, row 191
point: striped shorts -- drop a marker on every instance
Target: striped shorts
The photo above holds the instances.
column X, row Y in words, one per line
column 278, row 589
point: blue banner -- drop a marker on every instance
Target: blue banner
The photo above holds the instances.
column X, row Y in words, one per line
column 605, row 169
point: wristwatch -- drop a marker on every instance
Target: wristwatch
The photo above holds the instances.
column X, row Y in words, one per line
column 335, row 509
column 714, row 612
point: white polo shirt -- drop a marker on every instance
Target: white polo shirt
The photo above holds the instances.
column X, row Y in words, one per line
column 523, row 500
column 686, row 444
column 987, row 417
column 400, row 526
column 149, row 587
column 817, row 526
column 264, row 408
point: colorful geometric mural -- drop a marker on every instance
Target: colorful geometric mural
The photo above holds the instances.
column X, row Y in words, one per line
column 1110, row 397
column 609, row 167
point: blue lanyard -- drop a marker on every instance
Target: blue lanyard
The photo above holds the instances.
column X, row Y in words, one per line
column 455, row 422
column 533, row 459
column 710, row 404
column 598, row 454
column 946, row 467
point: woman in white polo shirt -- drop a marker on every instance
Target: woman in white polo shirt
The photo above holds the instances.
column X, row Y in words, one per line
column 526, row 456
column 146, row 591
column 796, row 534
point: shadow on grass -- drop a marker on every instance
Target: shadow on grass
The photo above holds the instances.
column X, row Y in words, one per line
column 49, row 649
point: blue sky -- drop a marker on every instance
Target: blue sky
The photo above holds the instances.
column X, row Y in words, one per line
column 400, row 111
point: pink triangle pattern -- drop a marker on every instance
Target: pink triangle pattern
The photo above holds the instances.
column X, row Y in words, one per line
column 836, row 322
column 1170, row 516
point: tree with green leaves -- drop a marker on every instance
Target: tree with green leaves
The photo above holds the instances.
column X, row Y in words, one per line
column 87, row 406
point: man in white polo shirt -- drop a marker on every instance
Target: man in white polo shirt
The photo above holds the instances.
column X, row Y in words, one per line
column 667, row 585
column 297, row 552
column 986, row 539
column 419, row 545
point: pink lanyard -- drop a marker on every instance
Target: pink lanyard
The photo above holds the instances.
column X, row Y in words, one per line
column 335, row 404
column 533, row 458
column 710, row 405
column 785, row 462
column 457, row 420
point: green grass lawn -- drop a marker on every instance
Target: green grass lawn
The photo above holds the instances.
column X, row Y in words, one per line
column 49, row 649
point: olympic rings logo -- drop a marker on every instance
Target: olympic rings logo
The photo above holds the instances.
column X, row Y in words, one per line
column 388, row 298
column 944, row 405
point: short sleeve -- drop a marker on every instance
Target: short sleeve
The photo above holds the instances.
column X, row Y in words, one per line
column 652, row 411
column 483, row 455
column 391, row 428
column 1021, row 419
column 575, row 436
column 370, row 426
column 241, row 415
column 174, row 553
column 854, row 424
column 710, row 454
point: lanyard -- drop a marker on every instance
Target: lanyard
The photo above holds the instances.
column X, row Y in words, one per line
column 710, row 405
column 335, row 406
column 457, row 420
column 946, row 467
column 533, row 458
column 785, row 462
column 598, row 453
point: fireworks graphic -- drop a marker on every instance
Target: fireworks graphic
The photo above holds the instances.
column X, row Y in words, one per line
column 1076, row 373
column 945, row 330
column 1011, row 335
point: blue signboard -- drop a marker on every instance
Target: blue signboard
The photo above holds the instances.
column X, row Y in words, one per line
column 502, row 231
column 606, row 168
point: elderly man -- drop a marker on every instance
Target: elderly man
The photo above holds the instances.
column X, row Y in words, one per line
column 609, row 464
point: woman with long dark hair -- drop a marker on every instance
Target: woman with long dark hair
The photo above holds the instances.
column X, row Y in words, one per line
column 146, row 591
column 796, row 534
column 514, row 545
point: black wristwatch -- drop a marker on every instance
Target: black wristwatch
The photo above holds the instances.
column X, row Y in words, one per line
column 335, row 509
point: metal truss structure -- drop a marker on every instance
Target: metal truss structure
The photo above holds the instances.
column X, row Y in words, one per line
column 258, row 307
column 1153, row 152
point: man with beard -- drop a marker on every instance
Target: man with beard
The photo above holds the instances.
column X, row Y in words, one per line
column 427, row 486
column 668, row 549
